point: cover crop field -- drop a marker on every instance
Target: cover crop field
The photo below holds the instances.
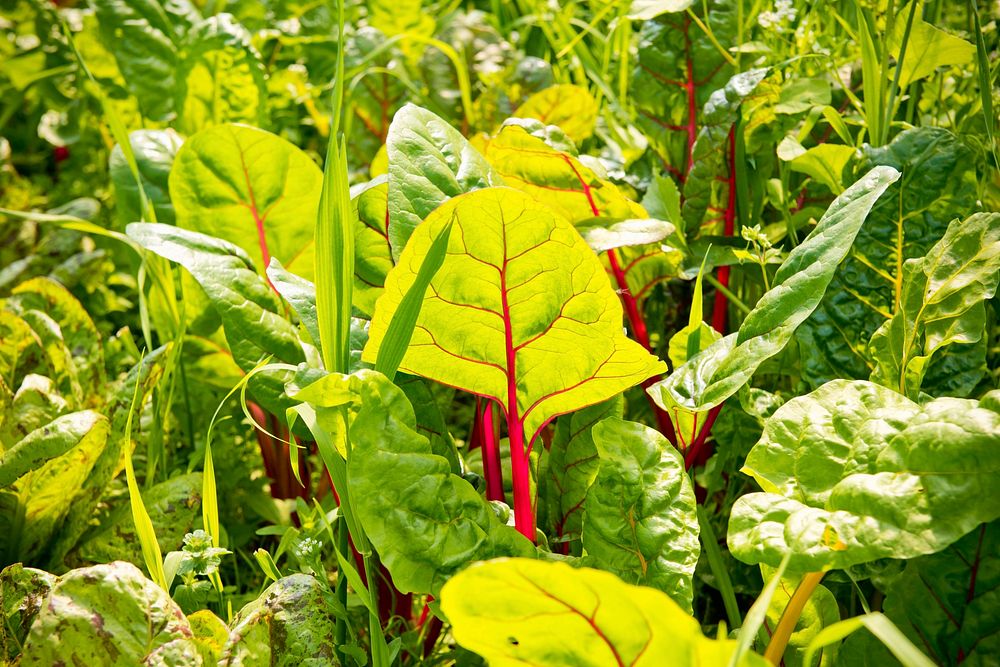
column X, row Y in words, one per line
column 583, row 333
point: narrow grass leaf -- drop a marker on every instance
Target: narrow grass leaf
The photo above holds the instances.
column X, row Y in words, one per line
column 404, row 320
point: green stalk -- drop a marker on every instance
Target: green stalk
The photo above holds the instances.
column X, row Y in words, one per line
column 779, row 640
column 891, row 107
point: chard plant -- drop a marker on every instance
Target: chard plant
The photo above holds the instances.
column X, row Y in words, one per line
column 369, row 333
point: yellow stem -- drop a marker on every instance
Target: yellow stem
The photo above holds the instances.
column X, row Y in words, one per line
column 779, row 640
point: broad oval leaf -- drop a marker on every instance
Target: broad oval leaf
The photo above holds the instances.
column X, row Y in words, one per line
column 426, row 522
column 528, row 612
column 521, row 311
column 640, row 521
column 103, row 615
column 429, row 162
column 251, row 188
column 854, row 472
column 712, row 376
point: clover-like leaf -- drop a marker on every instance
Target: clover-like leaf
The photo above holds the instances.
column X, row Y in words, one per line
column 854, row 472
column 521, row 311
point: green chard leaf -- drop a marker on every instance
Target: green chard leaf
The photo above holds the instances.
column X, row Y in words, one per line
column 591, row 619
column 718, row 372
column 250, row 188
column 937, row 186
column 154, row 152
column 854, row 472
column 675, row 71
column 942, row 301
column 946, row 602
column 145, row 37
column 640, row 521
column 221, row 77
column 39, row 474
column 570, row 468
column 249, row 308
column 708, row 156
column 521, row 311
column 429, row 162
column 425, row 521
column 106, row 615
column 291, row 623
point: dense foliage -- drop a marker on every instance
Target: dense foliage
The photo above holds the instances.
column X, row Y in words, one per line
column 649, row 332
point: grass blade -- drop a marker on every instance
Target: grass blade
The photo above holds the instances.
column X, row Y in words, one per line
column 880, row 626
column 144, row 529
column 404, row 320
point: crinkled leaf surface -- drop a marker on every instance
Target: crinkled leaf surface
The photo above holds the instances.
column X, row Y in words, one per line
column 572, row 108
column 145, row 37
column 715, row 374
column 103, row 615
column 640, row 521
column 291, row 623
column 942, row 301
column 854, row 472
column 674, row 73
column 22, row 592
column 39, row 474
column 251, row 188
column 528, row 612
column 521, row 311
column 429, row 162
column 570, row 468
column 425, row 521
column 708, row 155
column 937, row 185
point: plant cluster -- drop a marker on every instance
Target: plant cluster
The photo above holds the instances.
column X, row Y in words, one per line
column 656, row 332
